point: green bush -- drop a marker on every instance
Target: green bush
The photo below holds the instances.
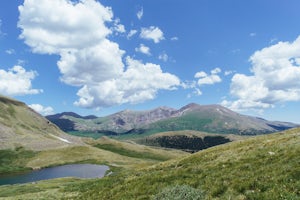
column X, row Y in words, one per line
column 179, row 192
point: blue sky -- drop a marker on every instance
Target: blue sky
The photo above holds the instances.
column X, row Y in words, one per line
column 100, row 57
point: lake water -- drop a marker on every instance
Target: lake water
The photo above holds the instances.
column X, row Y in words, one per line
column 73, row 170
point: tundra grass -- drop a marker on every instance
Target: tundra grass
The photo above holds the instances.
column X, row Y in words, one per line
column 131, row 153
column 50, row 189
column 133, row 150
column 264, row 167
column 14, row 160
column 84, row 154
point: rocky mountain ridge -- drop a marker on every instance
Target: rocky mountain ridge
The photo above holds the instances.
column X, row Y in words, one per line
column 208, row 118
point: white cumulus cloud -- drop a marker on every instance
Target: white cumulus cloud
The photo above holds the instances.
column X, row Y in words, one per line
column 89, row 60
column 93, row 64
column 17, row 81
column 203, row 78
column 208, row 79
column 46, row 31
column 152, row 33
column 275, row 78
column 131, row 33
column 41, row 109
column 118, row 28
column 140, row 82
column 143, row 49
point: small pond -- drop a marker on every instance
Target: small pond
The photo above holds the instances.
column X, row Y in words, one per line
column 72, row 170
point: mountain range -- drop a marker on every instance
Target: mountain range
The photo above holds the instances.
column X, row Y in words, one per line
column 207, row 118
column 260, row 167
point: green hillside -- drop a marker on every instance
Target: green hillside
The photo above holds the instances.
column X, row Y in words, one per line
column 261, row 167
column 191, row 121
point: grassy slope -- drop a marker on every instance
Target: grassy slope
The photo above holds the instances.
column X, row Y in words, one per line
column 21, row 126
column 263, row 167
column 14, row 160
column 120, row 156
column 103, row 151
column 112, row 156
column 134, row 150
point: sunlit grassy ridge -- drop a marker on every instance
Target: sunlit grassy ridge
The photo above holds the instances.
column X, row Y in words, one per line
column 21, row 126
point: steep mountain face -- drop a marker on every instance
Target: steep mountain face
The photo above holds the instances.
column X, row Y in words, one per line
column 22, row 126
column 208, row 118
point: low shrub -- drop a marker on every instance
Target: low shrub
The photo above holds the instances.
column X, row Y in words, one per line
column 179, row 192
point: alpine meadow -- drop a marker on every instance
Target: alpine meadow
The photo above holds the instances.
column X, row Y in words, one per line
column 149, row 100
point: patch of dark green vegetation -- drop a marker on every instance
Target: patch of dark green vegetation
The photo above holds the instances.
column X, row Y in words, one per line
column 12, row 161
column 130, row 153
column 186, row 143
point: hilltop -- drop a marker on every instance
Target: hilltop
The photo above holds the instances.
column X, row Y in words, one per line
column 21, row 126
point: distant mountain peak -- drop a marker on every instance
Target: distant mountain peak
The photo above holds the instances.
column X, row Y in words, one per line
column 71, row 114
column 189, row 107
